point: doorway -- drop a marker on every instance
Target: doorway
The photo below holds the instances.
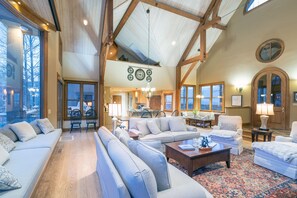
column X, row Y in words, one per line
column 271, row 85
column 155, row 102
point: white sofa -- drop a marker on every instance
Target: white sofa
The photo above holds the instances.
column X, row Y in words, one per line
column 279, row 155
column 229, row 133
column 123, row 175
column 28, row 161
column 166, row 135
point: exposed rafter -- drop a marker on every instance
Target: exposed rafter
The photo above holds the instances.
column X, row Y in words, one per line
column 188, row 73
column 125, row 18
column 173, row 10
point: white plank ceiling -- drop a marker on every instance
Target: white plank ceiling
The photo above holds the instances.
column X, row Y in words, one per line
column 166, row 27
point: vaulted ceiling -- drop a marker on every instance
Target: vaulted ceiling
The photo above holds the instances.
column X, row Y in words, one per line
column 166, row 27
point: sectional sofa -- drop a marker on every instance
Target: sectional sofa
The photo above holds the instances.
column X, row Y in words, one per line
column 28, row 160
column 123, row 174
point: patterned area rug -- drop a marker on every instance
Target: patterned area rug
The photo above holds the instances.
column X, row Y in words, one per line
column 243, row 179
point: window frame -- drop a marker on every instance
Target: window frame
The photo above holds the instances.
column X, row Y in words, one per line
column 168, row 94
column 81, row 83
column 246, row 5
column 187, row 97
column 211, row 97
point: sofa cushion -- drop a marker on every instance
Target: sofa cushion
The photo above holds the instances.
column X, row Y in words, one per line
column 35, row 127
column 164, row 124
column 9, row 133
column 124, row 137
column 23, row 130
column 185, row 135
column 105, row 136
column 153, row 127
column 177, row 124
column 4, row 155
column 164, row 137
column 111, row 182
column 45, row 125
column 41, row 141
column 137, row 176
column 32, row 162
column 157, row 162
column 142, row 127
column 223, row 133
column 7, row 180
column 228, row 126
column 6, row 143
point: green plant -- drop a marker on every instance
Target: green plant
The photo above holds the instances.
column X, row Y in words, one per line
column 195, row 112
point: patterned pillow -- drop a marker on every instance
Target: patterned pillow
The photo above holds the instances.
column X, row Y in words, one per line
column 7, row 180
column 45, row 125
column 4, row 155
column 228, row 126
column 6, row 143
column 35, row 127
column 9, row 133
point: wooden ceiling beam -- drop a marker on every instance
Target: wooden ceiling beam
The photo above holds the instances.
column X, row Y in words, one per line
column 188, row 73
column 209, row 24
column 173, row 10
column 219, row 26
column 216, row 9
column 125, row 18
column 191, row 60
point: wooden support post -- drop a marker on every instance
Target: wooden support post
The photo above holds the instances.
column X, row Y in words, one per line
column 203, row 45
column 177, row 88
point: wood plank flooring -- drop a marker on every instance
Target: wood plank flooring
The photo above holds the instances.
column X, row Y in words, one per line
column 71, row 171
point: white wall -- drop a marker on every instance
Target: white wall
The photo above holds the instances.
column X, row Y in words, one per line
column 80, row 66
column 163, row 78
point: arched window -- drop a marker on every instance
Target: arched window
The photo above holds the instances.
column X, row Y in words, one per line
column 252, row 4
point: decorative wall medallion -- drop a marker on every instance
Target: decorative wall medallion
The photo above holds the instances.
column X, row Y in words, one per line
column 270, row 50
column 149, row 72
column 149, row 79
column 139, row 74
column 130, row 70
column 130, row 77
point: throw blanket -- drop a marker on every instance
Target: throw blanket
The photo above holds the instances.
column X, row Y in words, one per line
column 286, row 151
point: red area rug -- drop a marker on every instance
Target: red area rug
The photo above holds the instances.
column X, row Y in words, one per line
column 243, row 179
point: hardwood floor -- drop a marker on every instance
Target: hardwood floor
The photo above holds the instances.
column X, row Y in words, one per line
column 71, row 171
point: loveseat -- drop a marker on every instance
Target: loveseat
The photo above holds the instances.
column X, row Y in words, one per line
column 166, row 129
column 279, row 155
column 122, row 174
column 28, row 160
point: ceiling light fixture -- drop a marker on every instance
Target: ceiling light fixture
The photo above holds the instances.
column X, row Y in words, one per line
column 85, row 21
column 173, row 43
column 19, row 3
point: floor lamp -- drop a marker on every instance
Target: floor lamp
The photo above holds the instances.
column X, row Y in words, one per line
column 264, row 110
column 114, row 110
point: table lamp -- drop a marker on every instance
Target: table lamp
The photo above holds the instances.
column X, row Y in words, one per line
column 114, row 110
column 264, row 110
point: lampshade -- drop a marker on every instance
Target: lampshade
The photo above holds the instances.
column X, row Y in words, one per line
column 115, row 109
column 265, row 109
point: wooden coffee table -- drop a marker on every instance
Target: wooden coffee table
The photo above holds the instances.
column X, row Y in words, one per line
column 192, row 160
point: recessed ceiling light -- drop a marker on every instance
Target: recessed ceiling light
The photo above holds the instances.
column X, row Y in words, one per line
column 19, row 3
column 85, row 21
column 173, row 43
column 110, row 52
column 47, row 24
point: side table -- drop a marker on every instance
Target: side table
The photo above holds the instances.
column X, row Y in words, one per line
column 134, row 136
column 256, row 132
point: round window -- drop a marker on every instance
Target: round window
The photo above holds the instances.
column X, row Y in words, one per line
column 270, row 50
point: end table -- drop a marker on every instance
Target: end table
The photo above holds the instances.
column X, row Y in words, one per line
column 256, row 132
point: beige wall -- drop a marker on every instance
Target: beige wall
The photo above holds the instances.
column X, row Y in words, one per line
column 116, row 76
column 54, row 68
column 232, row 59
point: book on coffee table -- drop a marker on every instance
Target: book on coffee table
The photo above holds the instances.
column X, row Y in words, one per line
column 187, row 147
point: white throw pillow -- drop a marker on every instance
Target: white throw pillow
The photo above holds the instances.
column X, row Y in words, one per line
column 164, row 123
column 35, row 127
column 153, row 127
column 23, row 130
column 142, row 127
column 45, row 125
column 157, row 162
column 177, row 124
column 4, row 155
column 6, row 143
column 7, row 180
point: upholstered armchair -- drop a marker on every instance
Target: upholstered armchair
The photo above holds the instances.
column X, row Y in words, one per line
column 229, row 133
column 291, row 138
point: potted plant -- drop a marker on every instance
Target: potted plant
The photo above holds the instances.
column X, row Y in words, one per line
column 195, row 112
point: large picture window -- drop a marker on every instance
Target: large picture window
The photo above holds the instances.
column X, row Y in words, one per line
column 80, row 95
column 187, row 99
column 212, row 98
column 20, row 70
